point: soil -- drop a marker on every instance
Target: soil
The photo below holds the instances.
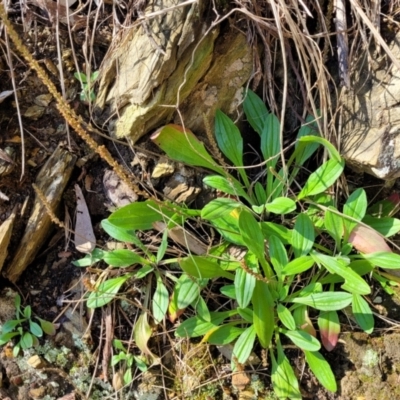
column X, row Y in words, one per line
column 365, row 366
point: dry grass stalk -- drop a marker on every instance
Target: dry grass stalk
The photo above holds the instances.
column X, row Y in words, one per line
column 64, row 108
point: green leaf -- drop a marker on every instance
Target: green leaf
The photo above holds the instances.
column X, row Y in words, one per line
column 160, row 301
column 228, row 291
column 230, row 142
column 255, row 110
column 122, row 234
column 244, row 345
column 202, row 309
column 227, row 185
column 244, row 287
column 305, row 150
column 35, row 329
column 246, row 313
column 327, row 301
column 11, row 324
column 162, row 248
column 94, row 75
column 329, row 328
column 303, row 340
column 225, row 334
column 17, row 302
column 298, row 265
column 6, row 337
column 142, row 272
column 253, row 238
column 300, row 315
column 122, row 258
column 383, row 259
column 186, row 291
column 363, row 314
column 195, row 326
column 128, row 378
column 303, row 235
column 334, row 224
column 271, row 141
column 281, row 206
column 321, row 369
column 277, row 254
column 322, row 179
column 280, row 231
column 95, row 256
column 355, row 207
column 140, row 215
column 106, row 291
column 259, row 191
column 251, row 233
column 353, row 282
column 283, row 378
column 228, row 227
column 386, row 226
column 27, row 312
column 263, row 313
column 219, row 207
column 286, row 317
column 334, row 154
column 183, row 146
column 47, row 327
column 203, row 268
column 26, row 341
column 80, row 76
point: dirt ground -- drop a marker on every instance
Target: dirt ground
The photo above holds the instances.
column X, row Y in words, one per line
column 366, row 367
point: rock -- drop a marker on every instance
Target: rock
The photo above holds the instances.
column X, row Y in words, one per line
column 173, row 59
column 370, row 140
column 37, row 393
column 36, row 362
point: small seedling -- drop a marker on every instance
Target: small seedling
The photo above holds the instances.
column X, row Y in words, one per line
column 87, row 94
column 126, row 361
column 24, row 329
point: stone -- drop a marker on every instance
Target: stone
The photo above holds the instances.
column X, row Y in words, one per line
column 370, row 140
column 36, row 362
column 174, row 59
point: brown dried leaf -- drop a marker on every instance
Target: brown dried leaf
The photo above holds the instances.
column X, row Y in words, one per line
column 85, row 241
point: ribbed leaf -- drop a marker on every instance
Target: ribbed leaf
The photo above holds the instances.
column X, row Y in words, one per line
column 322, row 179
column 327, row 301
column 363, row 314
column 263, row 313
column 321, row 369
column 303, row 235
column 183, row 146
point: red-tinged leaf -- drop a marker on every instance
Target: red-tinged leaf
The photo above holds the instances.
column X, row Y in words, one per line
column 367, row 240
column 394, row 198
column 329, row 327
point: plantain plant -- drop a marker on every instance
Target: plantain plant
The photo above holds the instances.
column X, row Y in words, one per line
column 303, row 258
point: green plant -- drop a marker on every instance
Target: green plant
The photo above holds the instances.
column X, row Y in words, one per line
column 87, row 82
column 24, row 329
column 299, row 262
column 126, row 361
